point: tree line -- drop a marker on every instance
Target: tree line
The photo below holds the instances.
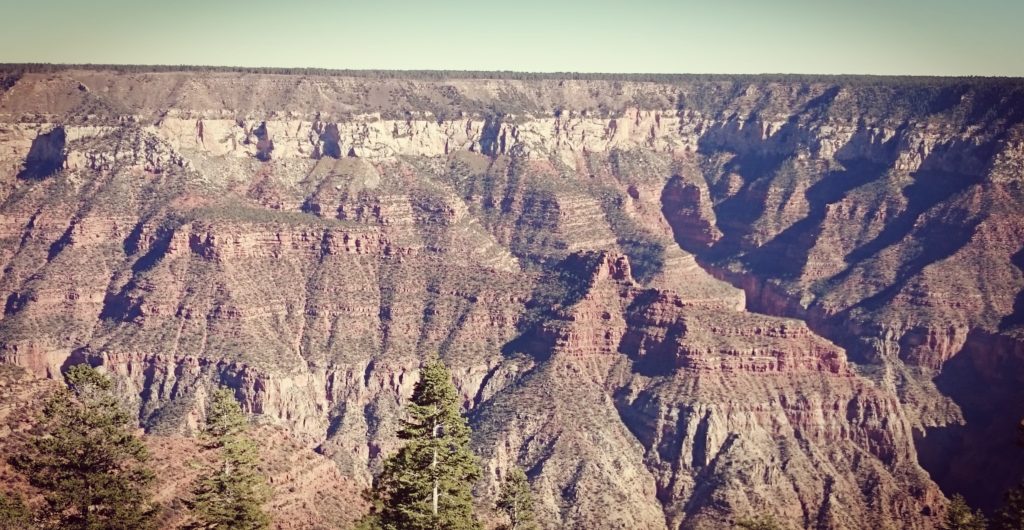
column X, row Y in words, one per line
column 442, row 75
column 92, row 471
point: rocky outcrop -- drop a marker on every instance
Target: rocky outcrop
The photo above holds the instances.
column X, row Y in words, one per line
column 584, row 254
column 689, row 210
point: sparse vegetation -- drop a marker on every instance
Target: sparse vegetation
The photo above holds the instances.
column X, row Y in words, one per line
column 256, row 283
column 440, row 75
column 559, row 287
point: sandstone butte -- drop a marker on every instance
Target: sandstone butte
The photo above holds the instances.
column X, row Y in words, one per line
column 674, row 301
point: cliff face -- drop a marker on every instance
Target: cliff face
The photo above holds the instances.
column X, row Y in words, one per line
column 583, row 254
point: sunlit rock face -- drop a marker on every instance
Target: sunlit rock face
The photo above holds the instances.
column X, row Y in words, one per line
column 674, row 302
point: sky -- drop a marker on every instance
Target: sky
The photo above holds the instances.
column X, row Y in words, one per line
column 899, row 37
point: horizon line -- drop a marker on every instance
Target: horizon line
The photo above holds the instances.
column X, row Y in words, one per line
column 45, row 67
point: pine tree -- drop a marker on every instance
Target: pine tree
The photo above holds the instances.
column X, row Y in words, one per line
column 960, row 517
column 14, row 515
column 1011, row 515
column 516, row 501
column 232, row 495
column 427, row 484
column 88, row 463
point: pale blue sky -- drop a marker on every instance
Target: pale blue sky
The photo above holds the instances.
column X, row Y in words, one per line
column 941, row 37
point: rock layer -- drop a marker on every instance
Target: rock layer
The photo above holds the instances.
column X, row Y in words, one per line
column 581, row 253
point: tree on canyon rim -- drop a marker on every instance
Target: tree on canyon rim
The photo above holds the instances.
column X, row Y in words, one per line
column 86, row 460
column 427, row 484
column 232, row 493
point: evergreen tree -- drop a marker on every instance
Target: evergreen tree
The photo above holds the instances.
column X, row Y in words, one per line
column 232, row 495
column 14, row 515
column 960, row 517
column 1011, row 515
column 516, row 501
column 87, row 462
column 427, row 484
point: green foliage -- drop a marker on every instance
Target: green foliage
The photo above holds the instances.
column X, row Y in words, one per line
column 232, row 494
column 761, row 522
column 427, row 484
column 86, row 460
column 370, row 521
column 960, row 517
column 1011, row 515
column 516, row 501
column 14, row 515
column 225, row 420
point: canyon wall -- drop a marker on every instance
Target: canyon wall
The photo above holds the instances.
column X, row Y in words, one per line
column 675, row 303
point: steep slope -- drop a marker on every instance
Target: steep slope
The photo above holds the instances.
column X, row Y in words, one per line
column 568, row 247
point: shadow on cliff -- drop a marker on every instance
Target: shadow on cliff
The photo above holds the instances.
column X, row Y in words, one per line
column 736, row 215
column 561, row 286
column 982, row 458
column 795, row 243
column 1016, row 318
column 331, row 139
column 931, row 187
column 864, row 160
column 46, row 156
column 492, row 139
column 78, row 356
column 935, row 242
column 948, row 171
column 653, row 355
column 758, row 157
column 264, row 143
column 121, row 306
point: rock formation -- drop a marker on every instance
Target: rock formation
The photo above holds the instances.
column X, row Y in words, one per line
column 674, row 302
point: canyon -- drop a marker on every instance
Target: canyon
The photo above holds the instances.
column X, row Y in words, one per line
column 674, row 301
